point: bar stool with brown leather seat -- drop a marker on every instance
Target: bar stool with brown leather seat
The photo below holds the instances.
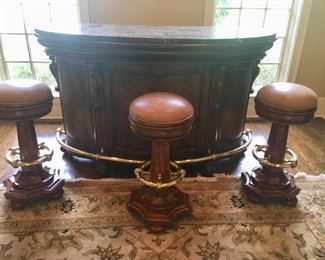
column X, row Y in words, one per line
column 282, row 104
column 23, row 101
column 160, row 117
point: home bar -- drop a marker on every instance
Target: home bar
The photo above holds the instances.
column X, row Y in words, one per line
column 100, row 69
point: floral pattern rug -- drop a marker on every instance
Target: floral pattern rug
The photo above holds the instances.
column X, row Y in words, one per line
column 91, row 221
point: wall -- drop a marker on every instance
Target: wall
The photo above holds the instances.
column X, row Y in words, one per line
column 311, row 71
column 148, row 12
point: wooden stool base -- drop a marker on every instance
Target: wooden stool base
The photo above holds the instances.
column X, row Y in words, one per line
column 159, row 207
column 260, row 192
column 49, row 187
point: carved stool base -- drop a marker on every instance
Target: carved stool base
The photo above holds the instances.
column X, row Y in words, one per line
column 260, row 192
column 159, row 207
column 47, row 186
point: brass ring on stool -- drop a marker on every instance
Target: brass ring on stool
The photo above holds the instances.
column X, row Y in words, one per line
column 286, row 163
column 19, row 163
column 180, row 173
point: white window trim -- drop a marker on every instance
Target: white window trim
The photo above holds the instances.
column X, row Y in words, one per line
column 298, row 39
column 83, row 11
column 295, row 37
column 3, row 72
column 209, row 12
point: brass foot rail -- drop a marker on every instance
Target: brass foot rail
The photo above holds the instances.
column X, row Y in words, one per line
column 286, row 163
column 215, row 156
column 14, row 162
column 178, row 172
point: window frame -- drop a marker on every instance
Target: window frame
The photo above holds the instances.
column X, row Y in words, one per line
column 295, row 35
column 83, row 16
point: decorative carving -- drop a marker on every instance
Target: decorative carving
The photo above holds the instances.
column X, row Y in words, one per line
column 97, row 92
column 54, row 70
column 255, row 72
column 96, row 84
column 215, row 102
column 217, row 86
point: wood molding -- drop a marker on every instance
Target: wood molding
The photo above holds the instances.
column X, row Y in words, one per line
column 209, row 12
column 83, row 11
column 56, row 113
column 321, row 107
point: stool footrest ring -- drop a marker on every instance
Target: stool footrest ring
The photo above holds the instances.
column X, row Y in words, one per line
column 286, row 163
column 179, row 172
column 19, row 163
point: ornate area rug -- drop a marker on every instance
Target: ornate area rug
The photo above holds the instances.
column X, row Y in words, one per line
column 91, row 221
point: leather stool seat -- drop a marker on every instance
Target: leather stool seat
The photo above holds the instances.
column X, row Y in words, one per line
column 161, row 116
column 24, row 99
column 285, row 102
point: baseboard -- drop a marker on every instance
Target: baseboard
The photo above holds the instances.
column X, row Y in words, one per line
column 56, row 114
column 251, row 108
column 321, row 107
column 319, row 113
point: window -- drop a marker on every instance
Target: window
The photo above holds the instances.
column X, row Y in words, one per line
column 279, row 16
column 21, row 56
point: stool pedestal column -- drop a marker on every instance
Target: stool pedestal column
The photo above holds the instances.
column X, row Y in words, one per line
column 159, row 207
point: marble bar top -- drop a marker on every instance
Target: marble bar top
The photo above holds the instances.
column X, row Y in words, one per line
column 167, row 34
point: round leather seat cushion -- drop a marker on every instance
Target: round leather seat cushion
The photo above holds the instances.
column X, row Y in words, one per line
column 284, row 95
column 161, row 108
column 287, row 103
column 24, row 99
column 20, row 93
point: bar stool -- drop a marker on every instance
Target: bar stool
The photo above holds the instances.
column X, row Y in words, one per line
column 160, row 117
column 282, row 104
column 23, row 101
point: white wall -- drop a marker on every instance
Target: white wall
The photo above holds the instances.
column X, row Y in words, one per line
column 147, row 12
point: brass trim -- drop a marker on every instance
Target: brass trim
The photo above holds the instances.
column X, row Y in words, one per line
column 180, row 173
column 82, row 153
column 286, row 163
column 19, row 163
column 97, row 156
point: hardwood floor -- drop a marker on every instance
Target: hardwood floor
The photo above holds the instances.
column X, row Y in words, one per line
column 307, row 140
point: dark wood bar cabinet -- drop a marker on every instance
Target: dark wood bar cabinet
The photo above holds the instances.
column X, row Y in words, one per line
column 100, row 69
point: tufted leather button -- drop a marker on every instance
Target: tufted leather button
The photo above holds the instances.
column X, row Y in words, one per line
column 24, row 98
column 160, row 108
column 286, row 102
